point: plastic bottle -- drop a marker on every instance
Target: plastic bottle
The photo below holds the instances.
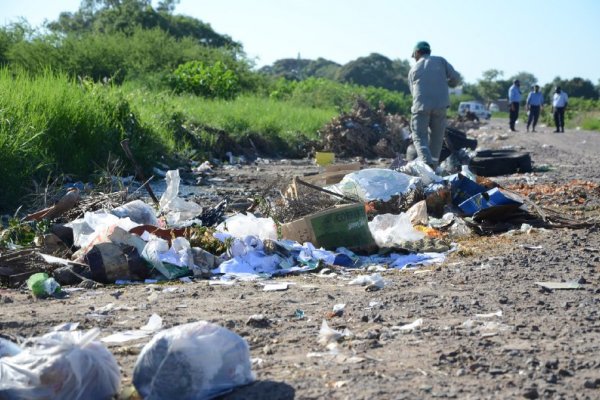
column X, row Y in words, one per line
column 41, row 285
column 464, row 169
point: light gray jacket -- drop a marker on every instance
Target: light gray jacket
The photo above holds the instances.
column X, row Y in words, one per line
column 428, row 80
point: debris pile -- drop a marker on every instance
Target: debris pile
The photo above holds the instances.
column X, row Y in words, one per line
column 345, row 219
column 364, row 132
column 466, row 122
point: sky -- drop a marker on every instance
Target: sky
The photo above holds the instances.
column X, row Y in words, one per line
column 547, row 38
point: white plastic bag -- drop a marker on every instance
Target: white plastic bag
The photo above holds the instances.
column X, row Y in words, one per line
column 389, row 230
column 366, row 280
column 177, row 210
column 173, row 262
column 199, row 360
column 241, row 225
column 95, row 224
column 61, row 365
column 422, row 170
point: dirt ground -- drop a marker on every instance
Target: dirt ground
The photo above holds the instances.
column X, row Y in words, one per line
column 539, row 344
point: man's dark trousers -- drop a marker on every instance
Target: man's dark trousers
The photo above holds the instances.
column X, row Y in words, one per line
column 534, row 115
column 514, row 115
column 559, row 118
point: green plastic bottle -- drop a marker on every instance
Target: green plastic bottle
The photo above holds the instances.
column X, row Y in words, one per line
column 41, row 285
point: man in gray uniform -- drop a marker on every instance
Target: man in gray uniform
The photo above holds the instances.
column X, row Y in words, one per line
column 429, row 79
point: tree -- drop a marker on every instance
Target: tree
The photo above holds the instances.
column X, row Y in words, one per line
column 125, row 16
column 527, row 80
column 299, row 69
column 167, row 6
column 579, row 87
column 11, row 35
column 322, row 68
column 489, row 87
column 576, row 87
column 375, row 70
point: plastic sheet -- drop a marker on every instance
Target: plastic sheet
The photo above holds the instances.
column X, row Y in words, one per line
column 241, row 225
column 138, row 212
column 86, row 230
column 374, row 184
column 8, row 348
column 199, row 360
column 422, row 170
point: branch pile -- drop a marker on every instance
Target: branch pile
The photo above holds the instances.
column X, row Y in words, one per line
column 365, row 132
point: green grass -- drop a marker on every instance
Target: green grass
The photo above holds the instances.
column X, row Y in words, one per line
column 52, row 125
column 591, row 124
column 282, row 124
column 587, row 120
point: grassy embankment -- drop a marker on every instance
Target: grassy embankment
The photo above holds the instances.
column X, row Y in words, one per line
column 52, row 125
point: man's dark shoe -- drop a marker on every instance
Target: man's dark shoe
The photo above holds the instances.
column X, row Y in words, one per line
column 557, row 131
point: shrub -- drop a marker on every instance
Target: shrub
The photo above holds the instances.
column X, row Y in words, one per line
column 212, row 81
column 324, row 93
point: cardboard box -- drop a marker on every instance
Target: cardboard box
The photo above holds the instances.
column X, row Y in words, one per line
column 343, row 226
column 343, row 167
column 333, row 174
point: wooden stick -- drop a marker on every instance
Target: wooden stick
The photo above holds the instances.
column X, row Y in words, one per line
column 315, row 187
column 138, row 169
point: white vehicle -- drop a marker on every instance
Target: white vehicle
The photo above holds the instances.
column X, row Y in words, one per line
column 475, row 107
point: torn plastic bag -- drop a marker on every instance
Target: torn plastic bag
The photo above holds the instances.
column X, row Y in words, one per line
column 242, row 225
column 61, row 365
column 138, row 212
column 172, row 262
column 390, row 230
column 178, row 211
column 422, row 170
column 199, row 360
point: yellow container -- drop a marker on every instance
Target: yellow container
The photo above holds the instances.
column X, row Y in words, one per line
column 324, row 158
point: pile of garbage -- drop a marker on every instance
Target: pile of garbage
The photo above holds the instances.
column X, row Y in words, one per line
column 353, row 219
column 364, row 132
column 401, row 216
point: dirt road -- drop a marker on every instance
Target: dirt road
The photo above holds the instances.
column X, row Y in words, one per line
column 488, row 331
